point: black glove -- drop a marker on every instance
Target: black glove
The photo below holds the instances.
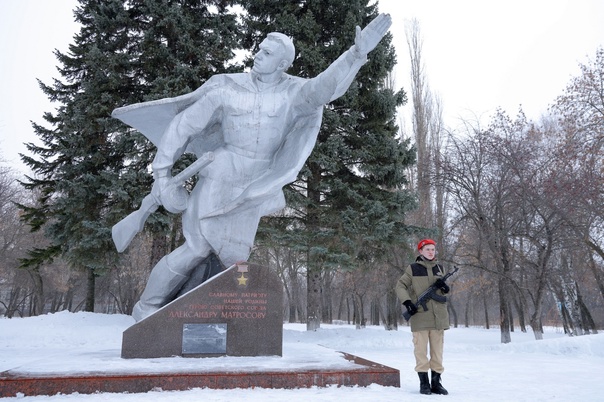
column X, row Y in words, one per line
column 440, row 284
column 411, row 309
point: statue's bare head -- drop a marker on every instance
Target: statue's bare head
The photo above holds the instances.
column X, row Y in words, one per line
column 275, row 54
column 289, row 51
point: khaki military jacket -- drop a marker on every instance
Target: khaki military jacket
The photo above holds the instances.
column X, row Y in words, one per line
column 417, row 278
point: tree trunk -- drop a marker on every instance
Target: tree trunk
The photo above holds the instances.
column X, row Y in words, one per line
column 504, row 314
column 296, row 301
column 313, row 304
column 587, row 319
column 90, row 289
column 487, row 324
column 348, row 319
column 314, row 273
column 13, row 301
column 597, row 275
column 358, row 316
column 37, row 302
column 375, row 312
column 291, row 306
column 467, row 312
column 520, row 310
column 566, row 321
column 511, row 317
column 392, row 311
column 570, row 297
column 341, row 305
column 453, row 313
column 537, row 325
column 56, row 301
column 326, row 305
column 291, row 312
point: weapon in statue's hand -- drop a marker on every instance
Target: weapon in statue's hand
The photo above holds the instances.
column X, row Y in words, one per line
column 124, row 231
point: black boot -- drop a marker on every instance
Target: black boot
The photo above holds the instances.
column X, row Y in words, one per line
column 437, row 387
column 424, row 384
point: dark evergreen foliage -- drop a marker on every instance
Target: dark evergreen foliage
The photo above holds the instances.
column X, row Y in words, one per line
column 349, row 203
column 91, row 170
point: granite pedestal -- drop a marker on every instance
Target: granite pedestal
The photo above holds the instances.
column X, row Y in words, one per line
column 238, row 312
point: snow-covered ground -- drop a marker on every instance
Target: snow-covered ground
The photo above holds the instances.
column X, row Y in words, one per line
column 477, row 366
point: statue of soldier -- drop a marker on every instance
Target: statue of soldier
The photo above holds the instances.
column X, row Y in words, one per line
column 261, row 127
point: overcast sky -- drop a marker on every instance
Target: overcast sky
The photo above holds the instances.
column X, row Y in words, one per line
column 478, row 54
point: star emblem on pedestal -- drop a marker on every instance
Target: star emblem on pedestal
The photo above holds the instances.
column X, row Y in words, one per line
column 242, row 280
column 242, row 268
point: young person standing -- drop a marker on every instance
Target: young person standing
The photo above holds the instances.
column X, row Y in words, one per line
column 427, row 326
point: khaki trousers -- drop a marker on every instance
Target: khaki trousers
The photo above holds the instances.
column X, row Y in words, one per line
column 435, row 339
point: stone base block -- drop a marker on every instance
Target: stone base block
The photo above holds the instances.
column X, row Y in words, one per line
column 362, row 373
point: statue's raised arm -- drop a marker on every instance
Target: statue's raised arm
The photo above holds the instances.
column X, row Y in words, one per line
column 314, row 93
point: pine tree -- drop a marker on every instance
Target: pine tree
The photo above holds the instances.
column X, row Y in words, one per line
column 348, row 204
column 181, row 45
column 90, row 169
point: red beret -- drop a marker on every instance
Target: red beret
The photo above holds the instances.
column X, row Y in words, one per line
column 425, row 242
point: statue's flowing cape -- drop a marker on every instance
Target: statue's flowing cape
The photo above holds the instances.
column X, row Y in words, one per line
column 152, row 118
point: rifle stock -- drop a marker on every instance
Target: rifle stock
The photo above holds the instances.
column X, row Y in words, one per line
column 124, row 231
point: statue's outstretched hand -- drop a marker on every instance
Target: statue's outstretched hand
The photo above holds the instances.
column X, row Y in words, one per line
column 367, row 39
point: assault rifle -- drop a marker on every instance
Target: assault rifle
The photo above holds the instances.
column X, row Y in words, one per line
column 428, row 294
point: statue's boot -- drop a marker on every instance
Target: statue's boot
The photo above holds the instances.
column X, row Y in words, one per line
column 162, row 286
